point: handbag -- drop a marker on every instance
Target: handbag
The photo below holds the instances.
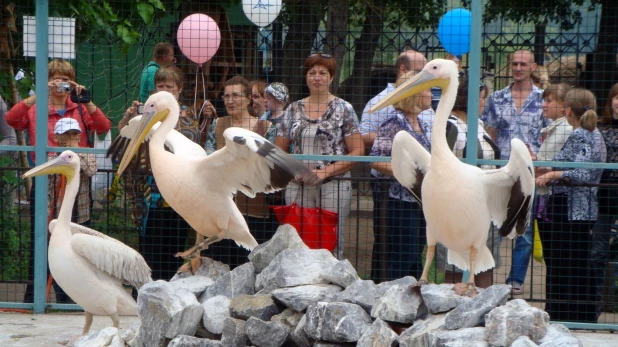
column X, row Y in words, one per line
column 316, row 226
column 537, row 253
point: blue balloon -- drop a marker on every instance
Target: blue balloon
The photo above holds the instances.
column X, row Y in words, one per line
column 454, row 31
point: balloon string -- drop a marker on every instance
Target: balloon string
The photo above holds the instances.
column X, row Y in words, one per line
column 198, row 115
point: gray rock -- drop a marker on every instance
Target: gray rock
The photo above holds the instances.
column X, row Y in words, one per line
column 117, row 341
column 239, row 281
column 266, row 334
column 506, row 323
column 379, row 334
column 190, row 341
column 298, row 298
column 416, row 335
column 336, row 322
column 342, row 274
column 100, row 338
column 286, row 237
column 559, row 336
column 259, row 306
column 299, row 337
column 234, row 333
column 332, row 344
column 362, row 292
column 399, row 304
column 472, row 313
column 441, row 298
column 216, row 310
column 288, row 317
column 296, row 267
column 468, row 337
column 166, row 313
column 523, row 341
column 404, row 281
column 195, row 284
column 130, row 333
column 208, row 268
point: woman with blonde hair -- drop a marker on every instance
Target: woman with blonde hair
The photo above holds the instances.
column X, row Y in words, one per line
column 570, row 213
column 406, row 224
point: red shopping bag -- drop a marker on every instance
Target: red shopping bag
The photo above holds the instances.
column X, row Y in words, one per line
column 317, row 227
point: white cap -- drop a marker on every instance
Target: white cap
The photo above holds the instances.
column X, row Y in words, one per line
column 66, row 124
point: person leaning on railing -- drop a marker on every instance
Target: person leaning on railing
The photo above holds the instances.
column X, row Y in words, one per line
column 570, row 212
column 322, row 124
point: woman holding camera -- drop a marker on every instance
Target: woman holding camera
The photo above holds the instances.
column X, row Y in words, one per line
column 63, row 94
column 22, row 116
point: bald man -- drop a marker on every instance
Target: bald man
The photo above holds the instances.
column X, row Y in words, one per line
column 516, row 112
column 409, row 60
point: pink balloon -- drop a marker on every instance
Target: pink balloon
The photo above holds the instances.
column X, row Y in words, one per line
column 199, row 37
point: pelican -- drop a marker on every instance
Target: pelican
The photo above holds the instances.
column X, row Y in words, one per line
column 200, row 188
column 459, row 200
column 88, row 265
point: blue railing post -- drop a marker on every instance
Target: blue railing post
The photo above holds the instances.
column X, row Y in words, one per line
column 40, row 198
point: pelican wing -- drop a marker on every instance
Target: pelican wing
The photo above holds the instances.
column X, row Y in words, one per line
column 410, row 161
column 511, row 191
column 253, row 164
column 110, row 255
column 176, row 142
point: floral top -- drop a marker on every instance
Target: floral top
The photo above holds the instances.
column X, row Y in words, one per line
column 500, row 113
column 383, row 145
column 323, row 136
column 611, row 142
column 582, row 146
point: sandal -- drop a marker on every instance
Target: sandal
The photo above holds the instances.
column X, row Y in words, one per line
column 516, row 288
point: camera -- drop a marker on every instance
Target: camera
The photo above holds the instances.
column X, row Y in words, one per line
column 140, row 109
column 63, row 87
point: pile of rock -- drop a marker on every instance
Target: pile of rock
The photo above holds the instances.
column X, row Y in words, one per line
column 290, row 295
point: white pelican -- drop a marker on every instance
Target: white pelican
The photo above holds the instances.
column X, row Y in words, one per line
column 459, row 200
column 89, row 266
column 200, row 188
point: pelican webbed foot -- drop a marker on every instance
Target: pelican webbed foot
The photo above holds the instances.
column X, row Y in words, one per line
column 465, row 289
column 195, row 250
column 191, row 266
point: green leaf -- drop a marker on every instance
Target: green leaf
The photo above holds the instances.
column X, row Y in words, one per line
column 125, row 34
column 157, row 4
column 146, row 11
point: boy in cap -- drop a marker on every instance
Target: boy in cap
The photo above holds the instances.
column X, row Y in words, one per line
column 67, row 134
column 277, row 98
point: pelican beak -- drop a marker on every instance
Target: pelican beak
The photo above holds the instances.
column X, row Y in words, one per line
column 421, row 81
column 148, row 121
column 57, row 165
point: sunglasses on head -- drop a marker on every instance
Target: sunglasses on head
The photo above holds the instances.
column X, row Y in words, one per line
column 320, row 54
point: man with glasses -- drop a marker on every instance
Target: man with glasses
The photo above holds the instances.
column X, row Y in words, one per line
column 409, row 60
column 163, row 55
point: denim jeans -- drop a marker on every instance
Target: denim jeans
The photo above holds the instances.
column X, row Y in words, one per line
column 521, row 257
column 523, row 250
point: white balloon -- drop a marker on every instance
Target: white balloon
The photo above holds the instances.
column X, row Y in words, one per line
column 261, row 12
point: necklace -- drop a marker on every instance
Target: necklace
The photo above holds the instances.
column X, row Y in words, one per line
column 317, row 109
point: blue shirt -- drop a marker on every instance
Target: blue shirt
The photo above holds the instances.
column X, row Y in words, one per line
column 370, row 123
column 383, row 146
column 500, row 113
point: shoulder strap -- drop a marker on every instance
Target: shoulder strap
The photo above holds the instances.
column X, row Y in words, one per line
column 222, row 124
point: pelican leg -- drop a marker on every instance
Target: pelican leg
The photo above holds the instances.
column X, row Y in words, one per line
column 195, row 250
column 115, row 320
column 473, row 253
column 431, row 251
column 195, row 262
column 88, row 323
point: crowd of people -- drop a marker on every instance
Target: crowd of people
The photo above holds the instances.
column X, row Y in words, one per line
column 557, row 123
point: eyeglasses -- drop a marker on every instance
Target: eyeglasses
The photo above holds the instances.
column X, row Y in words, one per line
column 233, row 96
column 324, row 55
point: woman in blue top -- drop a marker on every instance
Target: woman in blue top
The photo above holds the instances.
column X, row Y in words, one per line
column 570, row 213
column 406, row 224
